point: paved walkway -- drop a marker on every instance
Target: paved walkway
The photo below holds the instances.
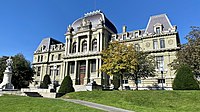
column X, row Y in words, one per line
column 97, row 106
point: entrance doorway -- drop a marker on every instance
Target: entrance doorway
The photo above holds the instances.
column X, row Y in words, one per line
column 82, row 70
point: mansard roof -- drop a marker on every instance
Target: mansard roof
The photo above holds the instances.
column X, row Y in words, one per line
column 46, row 43
column 95, row 17
column 161, row 19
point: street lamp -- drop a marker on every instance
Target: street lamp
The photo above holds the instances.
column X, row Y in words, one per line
column 162, row 80
column 53, row 78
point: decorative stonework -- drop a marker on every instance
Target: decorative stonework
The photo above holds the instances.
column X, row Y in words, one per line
column 147, row 44
column 170, row 42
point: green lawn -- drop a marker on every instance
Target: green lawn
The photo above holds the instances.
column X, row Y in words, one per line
column 144, row 101
column 10, row 103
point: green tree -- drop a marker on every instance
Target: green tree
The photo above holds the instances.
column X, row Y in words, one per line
column 46, row 82
column 66, row 85
column 145, row 67
column 185, row 80
column 190, row 52
column 119, row 59
column 22, row 71
column 2, row 66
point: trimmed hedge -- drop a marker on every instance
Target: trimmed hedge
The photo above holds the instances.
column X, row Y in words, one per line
column 66, row 85
column 185, row 79
column 46, row 82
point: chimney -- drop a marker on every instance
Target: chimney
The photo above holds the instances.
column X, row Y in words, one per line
column 124, row 29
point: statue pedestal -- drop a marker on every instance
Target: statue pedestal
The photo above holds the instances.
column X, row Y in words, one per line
column 6, row 84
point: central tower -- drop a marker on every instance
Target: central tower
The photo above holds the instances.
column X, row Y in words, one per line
column 85, row 39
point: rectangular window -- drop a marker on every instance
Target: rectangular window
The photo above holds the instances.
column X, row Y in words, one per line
column 59, row 56
column 38, row 59
column 155, row 44
column 58, row 70
column 72, row 68
column 161, row 80
column 38, row 71
column 124, row 36
column 136, row 34
column 52, row 56
column 93, row 66
column 41, row 58
column 157, row 30
column 51, row 70
column 159, row 62
column 162, row 43
column 125, row 81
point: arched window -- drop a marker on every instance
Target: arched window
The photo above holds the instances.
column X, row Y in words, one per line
column 137, row 47
column 74, row 47
column 94, row 45
column 84, row 46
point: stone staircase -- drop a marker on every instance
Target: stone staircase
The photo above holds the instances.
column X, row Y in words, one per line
column 80, row 88
column 33, row 94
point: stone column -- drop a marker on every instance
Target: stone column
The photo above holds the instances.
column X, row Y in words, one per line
column 66, row 68
column 88, row 43
column 66, row 47
column 100, row 63
column 98, row 42
column 69, row 43
column 41, row 73
column 77, row 46
column 101, row 41
column 75, row 72
column 97, row 67
column 86, row 73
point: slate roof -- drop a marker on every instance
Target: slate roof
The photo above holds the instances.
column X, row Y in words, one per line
column 94, row 19
column 158, row 19
column 47, row 42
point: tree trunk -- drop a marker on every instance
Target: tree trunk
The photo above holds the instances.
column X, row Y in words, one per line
column 136, row 82
column 121, row 84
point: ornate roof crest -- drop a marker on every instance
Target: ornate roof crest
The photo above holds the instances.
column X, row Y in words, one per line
column 93, row 13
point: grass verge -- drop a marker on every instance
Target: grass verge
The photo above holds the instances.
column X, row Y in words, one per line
column 9, row 103
column 144, row 101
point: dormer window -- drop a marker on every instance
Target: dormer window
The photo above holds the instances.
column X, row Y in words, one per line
column 157, row 30
column 136, row 34
column 124, row 36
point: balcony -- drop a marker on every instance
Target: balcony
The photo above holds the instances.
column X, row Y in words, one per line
column 82, row 54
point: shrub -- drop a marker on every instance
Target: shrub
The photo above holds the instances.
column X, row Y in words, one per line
column 184, row 79
column 46, row 82
column 66, row 85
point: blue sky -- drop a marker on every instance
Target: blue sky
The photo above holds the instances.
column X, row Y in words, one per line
column 24, row 23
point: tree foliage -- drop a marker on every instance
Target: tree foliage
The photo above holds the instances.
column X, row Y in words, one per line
column 2, row 66
column 184, row 79
column 66, row 85
column 120, row 59
column 46, row 82
column 145, row 67
column 22, row 72
column 190, row 52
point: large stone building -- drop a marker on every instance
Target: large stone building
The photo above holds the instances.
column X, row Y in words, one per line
column 80, row 56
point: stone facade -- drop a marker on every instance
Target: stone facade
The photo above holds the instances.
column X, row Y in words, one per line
column 80, row 56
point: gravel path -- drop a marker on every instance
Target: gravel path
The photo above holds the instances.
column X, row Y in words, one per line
column 97, row 106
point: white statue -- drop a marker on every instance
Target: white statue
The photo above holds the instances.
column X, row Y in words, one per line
column 9, row 64
column 6, row 84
